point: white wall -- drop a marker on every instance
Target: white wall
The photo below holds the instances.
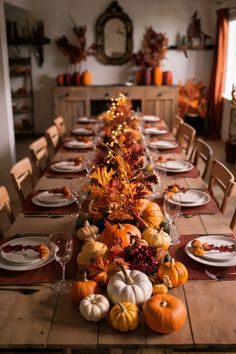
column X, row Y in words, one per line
column 169, row 16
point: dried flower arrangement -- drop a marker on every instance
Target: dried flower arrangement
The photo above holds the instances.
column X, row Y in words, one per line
column 192, row 99
column 76, row 52
column 154, row 47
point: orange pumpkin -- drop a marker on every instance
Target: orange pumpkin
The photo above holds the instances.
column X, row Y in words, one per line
column 167, row 78
column 102, row 269
column 157, row 76
column 164, row 313
column 82, row 288
column 86, row 78
column 149, row 214
column 176, row 272
column 118, row 233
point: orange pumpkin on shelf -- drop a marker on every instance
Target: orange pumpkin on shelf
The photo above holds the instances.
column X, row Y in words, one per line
column 119, row 233
column 82, row 288
column 164, row 313
column 86, row 78
column 157, row 76
column 175, row 271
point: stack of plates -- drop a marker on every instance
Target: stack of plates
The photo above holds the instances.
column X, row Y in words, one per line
column 151, row 118
column 163, row 144
column 66, row 167
column 214, row 257
column 82, row 131
column 51, row 200
column 74, row 144
column 191, row 198
column 25, row 259
column 174, row 166
column 155, row 131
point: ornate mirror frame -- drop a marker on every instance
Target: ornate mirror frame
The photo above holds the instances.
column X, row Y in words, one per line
column 114, row 35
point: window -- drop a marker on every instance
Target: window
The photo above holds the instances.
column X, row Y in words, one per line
column 230, row 77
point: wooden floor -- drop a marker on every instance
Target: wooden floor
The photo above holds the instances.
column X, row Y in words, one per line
column 22, row 151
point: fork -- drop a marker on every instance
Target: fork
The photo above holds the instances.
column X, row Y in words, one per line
column 24, row 291
column 187, row 216
column 217, row 277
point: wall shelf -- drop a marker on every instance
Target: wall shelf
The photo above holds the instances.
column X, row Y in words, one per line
column 184, row 49
column 36, row 43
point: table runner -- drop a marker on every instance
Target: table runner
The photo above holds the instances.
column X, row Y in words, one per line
column 61, row 174
column 30, row 208
column 195, row 269
column 46, row 274
column 193, row 173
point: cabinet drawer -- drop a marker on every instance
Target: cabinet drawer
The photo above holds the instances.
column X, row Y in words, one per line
column 160, row 93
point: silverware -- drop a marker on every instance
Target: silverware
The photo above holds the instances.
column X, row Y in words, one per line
column 22, row 234
column 187, row 216
column 52, row 216
column 24, row 291
column 217, row 277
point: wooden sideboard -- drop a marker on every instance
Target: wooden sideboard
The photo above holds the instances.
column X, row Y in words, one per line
column 73, row 102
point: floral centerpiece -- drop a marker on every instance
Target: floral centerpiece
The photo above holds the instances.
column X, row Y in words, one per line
column 192, row 99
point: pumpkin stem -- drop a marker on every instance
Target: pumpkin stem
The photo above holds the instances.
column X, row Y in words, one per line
column 84, row 275
column 128, row 279
column 138, row 218
column 123, row 309
column 86, row 223
column 163, row 304
column 172, row 261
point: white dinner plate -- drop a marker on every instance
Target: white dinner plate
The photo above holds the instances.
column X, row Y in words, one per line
column 200, row 202
column 214, row 258
column 174, row 166
column 86, row 120
column 190, row 196
column 163, row 144
column 51, row 200
column 74, row 144
column 151, row 118
column 66, row 166
column 19, row 262
column 82, row 131
column 155, row 131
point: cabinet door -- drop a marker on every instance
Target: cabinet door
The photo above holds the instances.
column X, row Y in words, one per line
column 164, row 107
column 70, row 107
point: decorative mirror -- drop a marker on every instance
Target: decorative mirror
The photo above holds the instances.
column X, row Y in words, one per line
column 114, row 36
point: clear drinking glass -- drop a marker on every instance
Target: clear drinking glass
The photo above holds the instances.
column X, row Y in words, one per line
column 79, row 192
column 62, row 245
column 172, row 209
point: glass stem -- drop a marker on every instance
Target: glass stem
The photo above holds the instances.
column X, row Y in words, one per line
column 63, row 273
column 171, row 230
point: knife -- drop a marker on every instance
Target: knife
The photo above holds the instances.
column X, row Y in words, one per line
column 53, row 216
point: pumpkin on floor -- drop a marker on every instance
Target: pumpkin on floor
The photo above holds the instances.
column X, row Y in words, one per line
column 124, row 316
column 164, row 313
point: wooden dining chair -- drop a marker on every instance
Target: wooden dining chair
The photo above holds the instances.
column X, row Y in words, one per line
column 186, row 137
column 61, row 127
column 22, row 177
column 5, row 204
column 221, row 179
column 232, row 194
column 39, row 153
column 201, row 156
column 53, row 138
column 176, row 121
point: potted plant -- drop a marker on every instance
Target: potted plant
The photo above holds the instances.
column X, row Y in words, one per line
column 152, row 52
column 192, row 104
column 77, row 53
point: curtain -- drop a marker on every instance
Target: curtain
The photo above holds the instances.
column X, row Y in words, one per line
column 218, row 73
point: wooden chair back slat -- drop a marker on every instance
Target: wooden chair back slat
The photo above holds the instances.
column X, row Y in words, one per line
column 176, row 121
column 39, row 153
column 60, row 124
column 20, row 172
column 52, row 137
column 186, row 137
column 5, row 204
column 222, row 177
column 202, row 154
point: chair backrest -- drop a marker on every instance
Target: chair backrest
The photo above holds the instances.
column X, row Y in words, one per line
column 22, row 172
column 201, row 157
column 39, row 153
column 222, row 178
column 232, row 193
column 176, row 121
column 52, row 137
column 60, row 124
column 186, row 137
column 5, row 204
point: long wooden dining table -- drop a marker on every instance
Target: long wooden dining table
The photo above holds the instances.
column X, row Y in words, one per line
column 49, row 320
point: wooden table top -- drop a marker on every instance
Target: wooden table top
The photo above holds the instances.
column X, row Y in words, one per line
column 45, row 319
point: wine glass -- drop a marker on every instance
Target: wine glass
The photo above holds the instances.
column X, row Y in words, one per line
column 172, row 209
column 79, row 193
column 62, row 245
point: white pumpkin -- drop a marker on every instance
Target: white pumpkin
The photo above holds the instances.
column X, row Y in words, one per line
column 94, row 307
column 88, row 231
column 129, row 285
column 156, row 238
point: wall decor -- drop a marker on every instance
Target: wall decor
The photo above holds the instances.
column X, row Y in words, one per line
column 114, row 36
